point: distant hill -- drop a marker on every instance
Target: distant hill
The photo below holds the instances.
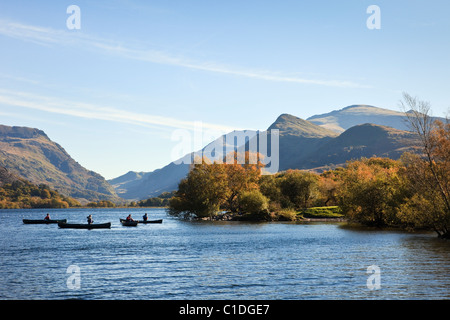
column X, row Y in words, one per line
column 141, row 185
column 303, row 144
column 341, row 120
column 122, row 183
column 30, row 154
column 365, row 140
column 149, row 184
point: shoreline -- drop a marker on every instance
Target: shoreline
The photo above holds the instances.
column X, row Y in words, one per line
column 324, row 219
column 242, row 218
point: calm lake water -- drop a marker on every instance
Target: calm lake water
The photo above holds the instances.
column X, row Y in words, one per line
column 213, row 260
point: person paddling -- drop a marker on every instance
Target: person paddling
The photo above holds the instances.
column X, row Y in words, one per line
column 129, row 218
column 145, row 217
column 47, row 217
column 89, row 219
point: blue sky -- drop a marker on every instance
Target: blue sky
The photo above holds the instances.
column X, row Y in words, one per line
column 113, row 92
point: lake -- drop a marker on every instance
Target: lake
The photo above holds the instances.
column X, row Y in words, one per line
column 214, row 260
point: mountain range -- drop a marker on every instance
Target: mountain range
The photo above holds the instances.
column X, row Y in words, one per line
column 321, row 142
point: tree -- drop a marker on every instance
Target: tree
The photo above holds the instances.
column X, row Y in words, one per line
column 269, row 187
column 45, row 194
column 209, row 187
column 240, row 178
column 328, row 185
column 428, row 172
column 298, row 187
column 372, row 191
column 201, row 193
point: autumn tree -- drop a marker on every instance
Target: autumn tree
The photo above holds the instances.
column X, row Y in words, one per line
column 209, row 187
column 328, row 186
column 201, row 193
column 372, row 190
column 240, row 177
column 428, row 172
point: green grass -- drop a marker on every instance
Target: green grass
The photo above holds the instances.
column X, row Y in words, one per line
column 322, row 212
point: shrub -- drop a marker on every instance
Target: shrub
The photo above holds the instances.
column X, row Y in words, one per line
column 253, row 202
column 286, row 215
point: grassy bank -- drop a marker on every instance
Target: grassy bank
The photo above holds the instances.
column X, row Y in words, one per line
column 332, row 212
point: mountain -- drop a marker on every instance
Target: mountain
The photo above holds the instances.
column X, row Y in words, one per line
column 290, row 125
column 30, row 154
column 298, row 139
column 365, row 140
column 142, row 185
column 124, row 182
column 341, row 120
column 303, row 144
column 149, row 184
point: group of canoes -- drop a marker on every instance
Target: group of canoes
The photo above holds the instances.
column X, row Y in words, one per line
column 62, row 223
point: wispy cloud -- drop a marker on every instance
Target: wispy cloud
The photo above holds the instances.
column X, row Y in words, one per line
column 99, row 112
column 49, row 36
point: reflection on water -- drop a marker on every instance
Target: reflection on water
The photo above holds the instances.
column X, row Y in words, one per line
column 214, row 260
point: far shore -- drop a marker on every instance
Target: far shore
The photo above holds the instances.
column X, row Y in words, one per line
column 227, row 216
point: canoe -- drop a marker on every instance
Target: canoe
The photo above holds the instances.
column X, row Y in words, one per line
column 128, row 223
column 85, row 225
column 151, row 221
column 144, row 222
column 42, row 221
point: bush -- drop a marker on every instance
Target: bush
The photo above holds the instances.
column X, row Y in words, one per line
column 253, row 202
column 286, row 215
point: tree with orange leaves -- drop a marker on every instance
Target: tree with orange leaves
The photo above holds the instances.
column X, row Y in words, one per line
column 241, row 177
column 210, row 187
column 371, row 191
column 428, row 172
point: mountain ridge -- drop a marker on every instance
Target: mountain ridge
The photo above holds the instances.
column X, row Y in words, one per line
column 364, row 140
column 345, row 118
column 308, row 145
